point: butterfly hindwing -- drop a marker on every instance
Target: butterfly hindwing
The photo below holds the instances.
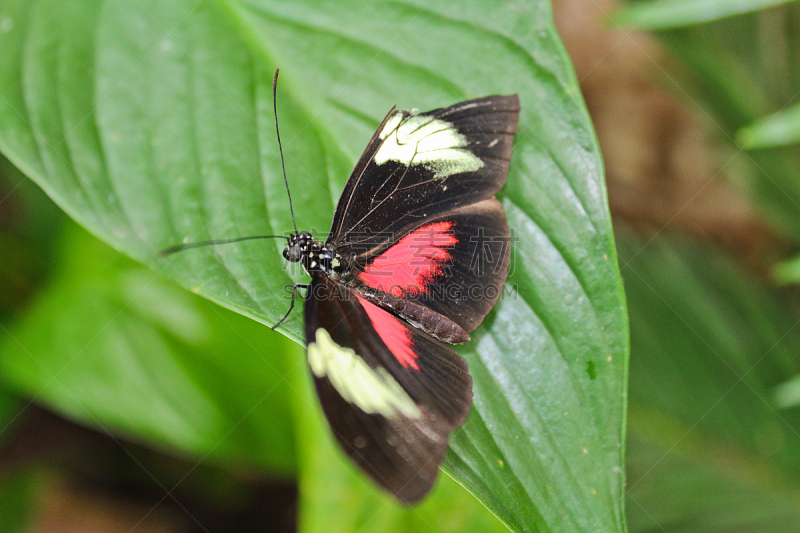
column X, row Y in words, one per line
column 421, row 165
column 449, row 268
column 391, row 394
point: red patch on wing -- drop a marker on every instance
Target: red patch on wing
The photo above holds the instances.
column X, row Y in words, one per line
column 394, row 333
column 413, row 263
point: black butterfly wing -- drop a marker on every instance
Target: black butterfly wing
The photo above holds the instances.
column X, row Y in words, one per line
column 421, row 165
column 392, row 395
column 444, row 275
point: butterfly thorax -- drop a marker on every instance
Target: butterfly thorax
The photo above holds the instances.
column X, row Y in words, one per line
column 315, row 256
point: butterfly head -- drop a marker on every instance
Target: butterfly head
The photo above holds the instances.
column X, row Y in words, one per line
column 298, row 246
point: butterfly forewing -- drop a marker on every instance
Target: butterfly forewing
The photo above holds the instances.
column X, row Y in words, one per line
column 454, row 265
column 421, row 165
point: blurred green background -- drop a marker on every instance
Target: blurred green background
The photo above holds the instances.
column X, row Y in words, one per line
column 698, row 123
column 695, row 105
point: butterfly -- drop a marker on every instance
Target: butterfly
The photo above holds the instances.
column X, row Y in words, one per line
column 416, row 257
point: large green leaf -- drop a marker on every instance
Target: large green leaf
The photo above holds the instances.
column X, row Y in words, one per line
column 150, row 123
column 778, row 129
column 665, row 14
column 708, row 447
column 118, row 347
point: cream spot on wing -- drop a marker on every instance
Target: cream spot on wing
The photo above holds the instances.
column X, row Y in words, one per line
column 422, row 140
column 373, row 390
column 391, row 124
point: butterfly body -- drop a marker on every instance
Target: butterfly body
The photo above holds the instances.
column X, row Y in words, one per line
column 316, row 257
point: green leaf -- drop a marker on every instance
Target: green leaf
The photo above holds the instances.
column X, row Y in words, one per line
column 778, row 129
column 115, row 346
column 169, row 138
column 666, row 14
column 541, row 381
column 787, row 394
column 708, row 449
column 787, row 272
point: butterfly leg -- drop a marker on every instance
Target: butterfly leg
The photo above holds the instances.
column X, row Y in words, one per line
column 291, row 305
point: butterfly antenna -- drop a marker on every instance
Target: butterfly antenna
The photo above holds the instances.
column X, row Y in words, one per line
column 280, row 148
column 186, row 246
